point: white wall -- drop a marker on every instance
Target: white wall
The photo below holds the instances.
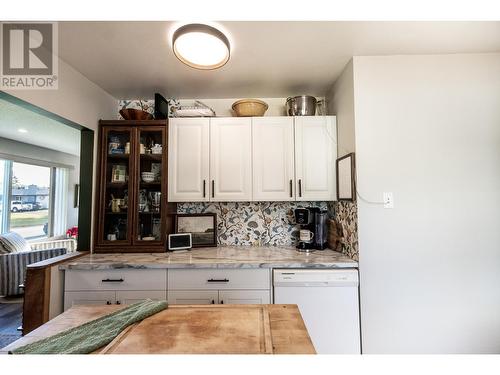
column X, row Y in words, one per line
column 340, row 101
column 428, row 130
column 223, row 107
column 77, row 99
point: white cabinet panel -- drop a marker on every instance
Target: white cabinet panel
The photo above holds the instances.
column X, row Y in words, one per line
column 193, row 297
column 315, row 155
column 273, row 158
column 88, row 298
column 188, row 159
column 244, row 297
column 219, row 279
column 231, row 159
column 127, row 297
column 79, row 280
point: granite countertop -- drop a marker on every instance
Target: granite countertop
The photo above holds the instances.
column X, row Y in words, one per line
column 215, row 257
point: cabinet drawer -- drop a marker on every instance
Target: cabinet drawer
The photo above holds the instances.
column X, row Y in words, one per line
column 128, row 297
column 217, row 279
column 244, row 297
column 193, row 297
column 116, row 280
column 88, row 298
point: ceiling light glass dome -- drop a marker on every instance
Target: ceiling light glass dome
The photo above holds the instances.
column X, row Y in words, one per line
column 201, row 46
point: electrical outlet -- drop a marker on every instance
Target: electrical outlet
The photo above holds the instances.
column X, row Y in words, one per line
column 388, row 200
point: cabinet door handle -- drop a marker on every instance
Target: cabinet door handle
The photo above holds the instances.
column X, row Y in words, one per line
column 291, row 188
column 218, row 280
column 213, row 302
column 108, row 302
column 204, row 188
column 112, row 280
column 118, row 303
column 300, row 187
column 221, row 302
column 213, row 188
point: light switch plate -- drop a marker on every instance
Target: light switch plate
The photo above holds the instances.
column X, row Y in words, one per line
column 388, row 200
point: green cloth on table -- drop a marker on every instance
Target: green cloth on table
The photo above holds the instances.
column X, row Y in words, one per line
column 95, row 334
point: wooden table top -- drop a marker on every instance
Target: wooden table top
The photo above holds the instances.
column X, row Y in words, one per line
column 195, row 329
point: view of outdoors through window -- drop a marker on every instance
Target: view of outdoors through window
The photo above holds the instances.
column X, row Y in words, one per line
column 30, row 196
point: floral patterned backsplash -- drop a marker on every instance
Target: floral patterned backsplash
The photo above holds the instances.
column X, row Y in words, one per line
column 253, row 223
column 346, row 213
column 147, row 105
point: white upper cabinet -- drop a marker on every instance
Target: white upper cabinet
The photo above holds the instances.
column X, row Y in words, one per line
column 188, row 159
column 231, row 159
column 273, row 154
column 252, row 159
column 315, row 155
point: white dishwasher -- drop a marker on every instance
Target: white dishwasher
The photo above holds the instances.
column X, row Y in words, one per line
column 328, row 302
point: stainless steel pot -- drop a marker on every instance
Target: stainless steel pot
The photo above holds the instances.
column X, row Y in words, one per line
column 304, row 105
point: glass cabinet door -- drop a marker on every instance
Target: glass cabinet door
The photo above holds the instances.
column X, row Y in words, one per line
column 116, row 169
column 151, row 148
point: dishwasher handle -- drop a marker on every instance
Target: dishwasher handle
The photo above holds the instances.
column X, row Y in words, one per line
column 288, row 278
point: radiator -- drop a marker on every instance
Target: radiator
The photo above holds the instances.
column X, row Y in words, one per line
column 67, row 243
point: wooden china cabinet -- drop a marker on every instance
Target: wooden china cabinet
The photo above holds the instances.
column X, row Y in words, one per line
column 132, row 213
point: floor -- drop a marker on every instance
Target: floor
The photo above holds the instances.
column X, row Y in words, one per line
column 10, row 319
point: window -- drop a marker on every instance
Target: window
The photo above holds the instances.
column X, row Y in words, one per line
column 33, row 199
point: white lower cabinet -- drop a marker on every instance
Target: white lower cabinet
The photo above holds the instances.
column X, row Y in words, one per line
column 110, row 297
column 210, row 297
column 185, row 286
column 127, row 297
column 91, row 297
column 244, row 297
column 193, row 297
column 219, row 286
column 109, row 287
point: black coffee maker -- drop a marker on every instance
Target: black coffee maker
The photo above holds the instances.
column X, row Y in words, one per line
column 314, row 220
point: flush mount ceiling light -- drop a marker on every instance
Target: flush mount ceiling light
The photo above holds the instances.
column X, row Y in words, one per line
column 21, row 130
column 201, row 46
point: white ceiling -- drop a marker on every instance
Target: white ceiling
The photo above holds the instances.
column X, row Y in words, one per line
column 269, row 59
column 42, row 131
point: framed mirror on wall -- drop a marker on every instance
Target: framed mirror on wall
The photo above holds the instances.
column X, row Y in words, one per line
column 346, row 178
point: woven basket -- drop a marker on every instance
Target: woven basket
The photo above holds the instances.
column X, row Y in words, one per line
column 249, row 107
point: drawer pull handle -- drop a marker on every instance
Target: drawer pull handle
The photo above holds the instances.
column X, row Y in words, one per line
column 112, row 280
column 213, row 302
column 218, row 280
column 118, row 303
column 108, row 303
column 221, row 302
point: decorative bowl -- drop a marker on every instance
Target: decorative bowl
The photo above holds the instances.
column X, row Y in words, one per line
column 148, row 176
column 249, row 107
column 135, row 114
